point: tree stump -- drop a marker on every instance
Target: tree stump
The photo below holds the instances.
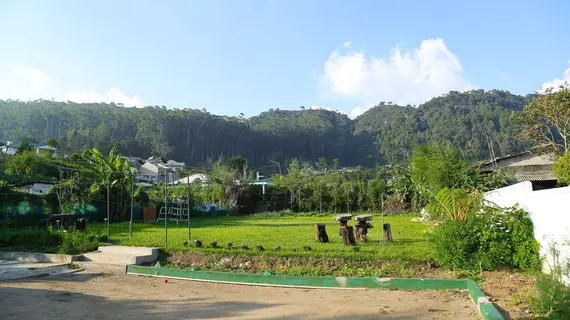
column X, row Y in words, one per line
column 80, row 225
column 362, row 230
column 347, row 233
column 321, row 233
column 387, row 232
column 343, row 224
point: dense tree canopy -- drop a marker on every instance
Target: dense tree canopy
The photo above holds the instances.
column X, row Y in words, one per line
column 476, row 122
column 546, row 121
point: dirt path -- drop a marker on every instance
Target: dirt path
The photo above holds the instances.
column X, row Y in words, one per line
column 90, row 295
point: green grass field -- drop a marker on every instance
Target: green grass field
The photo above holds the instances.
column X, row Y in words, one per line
column 291, row 233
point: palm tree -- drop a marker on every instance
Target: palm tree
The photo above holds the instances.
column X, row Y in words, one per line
column 112, row 173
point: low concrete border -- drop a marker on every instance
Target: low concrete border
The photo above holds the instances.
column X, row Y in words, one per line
column 39, row 257
column 484, row 306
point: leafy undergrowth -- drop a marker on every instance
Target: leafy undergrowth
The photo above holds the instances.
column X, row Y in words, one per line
column 48, row 241
column 279, row 236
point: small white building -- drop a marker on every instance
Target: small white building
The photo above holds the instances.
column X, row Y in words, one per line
column 37, row 188
column 11, row 148
column 8, row 149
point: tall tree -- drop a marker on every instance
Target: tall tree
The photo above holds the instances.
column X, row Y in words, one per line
column 546, row 121
column 24, row 146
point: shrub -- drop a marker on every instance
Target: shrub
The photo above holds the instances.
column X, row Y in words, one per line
column 307, row 247
column 244, row 246
column 79, row 242
column 71, row 242
column 30, row 238
column 455, row 245
column 561, row 168
column 395, row 205
column 198, row 243
column 214, row 244
column 277, row 248
column 455, row 204
column 260, row 247
column 487, row 241
column 553, row 299
column 228, row 245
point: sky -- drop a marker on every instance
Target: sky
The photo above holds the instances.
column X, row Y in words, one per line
column 248, row 56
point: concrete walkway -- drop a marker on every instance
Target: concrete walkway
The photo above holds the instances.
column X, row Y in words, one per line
column 11, row 270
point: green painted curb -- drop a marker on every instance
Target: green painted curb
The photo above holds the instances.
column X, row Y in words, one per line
column 486, row 308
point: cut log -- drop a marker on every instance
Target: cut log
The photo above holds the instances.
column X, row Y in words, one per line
column 80, row 225
column 387, row 232
column 347, row 233
column 321, row 232
column 362, row 230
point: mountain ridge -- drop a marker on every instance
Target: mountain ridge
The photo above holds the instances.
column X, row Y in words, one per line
column 473, row 121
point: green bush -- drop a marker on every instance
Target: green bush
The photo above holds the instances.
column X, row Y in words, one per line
column 49, row 240
column 455, row 246
column 488, row 240
column 78, row 242
column 40, row 240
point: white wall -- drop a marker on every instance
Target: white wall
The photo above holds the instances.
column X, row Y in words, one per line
column 549, row 210
column 40, row 188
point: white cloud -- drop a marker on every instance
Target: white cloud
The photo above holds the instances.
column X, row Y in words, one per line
column 24, row 83
column 27, row 84
column 410, row 77
column 113, row 95
column 555, row 84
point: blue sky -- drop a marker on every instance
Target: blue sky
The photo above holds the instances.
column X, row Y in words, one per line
column 248, row 56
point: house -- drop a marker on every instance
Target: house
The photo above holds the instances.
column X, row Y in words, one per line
column 525, row 166
column 45, row 150
column 155, row 169
column 134, row 162
column 175, row 166
column 11, row 148
column 151, row 172
column 36, row 188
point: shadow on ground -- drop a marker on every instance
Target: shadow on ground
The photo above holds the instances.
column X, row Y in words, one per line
column 27, row 303
column 73, row 277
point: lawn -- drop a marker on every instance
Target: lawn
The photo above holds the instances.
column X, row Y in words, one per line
column 291, row 233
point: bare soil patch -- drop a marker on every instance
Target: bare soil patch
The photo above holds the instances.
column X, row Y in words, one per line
column 92, row 295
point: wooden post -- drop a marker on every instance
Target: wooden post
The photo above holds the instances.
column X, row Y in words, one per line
column 387, row 232
column 347, row 233
column 362, row 230
column 321, row 233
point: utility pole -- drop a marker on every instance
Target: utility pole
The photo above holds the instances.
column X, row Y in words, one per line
column 132, row 204
column 108, row 210
column 188, row 203
column 166, row 209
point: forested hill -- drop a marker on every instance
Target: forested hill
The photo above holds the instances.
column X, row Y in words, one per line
column 474, row 121
column 385, row 133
